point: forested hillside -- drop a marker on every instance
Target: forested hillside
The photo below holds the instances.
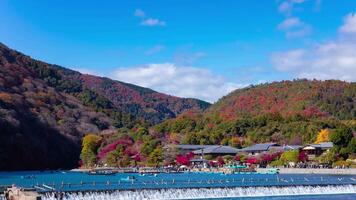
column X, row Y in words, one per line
column 46, row 109
column 286, row 112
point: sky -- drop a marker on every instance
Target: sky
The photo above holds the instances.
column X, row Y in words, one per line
column 202, row 49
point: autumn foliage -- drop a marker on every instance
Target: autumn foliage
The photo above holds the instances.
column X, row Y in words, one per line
column 323, row 136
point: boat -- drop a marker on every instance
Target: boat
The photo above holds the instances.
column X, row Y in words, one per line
column 128, row 178
column 101, row 172
column 273, row 171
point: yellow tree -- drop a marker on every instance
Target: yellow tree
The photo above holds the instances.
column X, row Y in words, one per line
column 323, row 136
column 89, row 147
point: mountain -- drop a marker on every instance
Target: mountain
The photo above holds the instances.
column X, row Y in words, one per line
column 330, row 98
column 46, row 109
column 290, row 112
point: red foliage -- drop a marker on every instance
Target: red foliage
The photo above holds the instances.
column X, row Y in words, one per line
column 221, row 161
column 111, row 147
column 190, row 155
column 237, row 158
column 266, row 158
column 252, row 160
column 302, row 157
column 312, row 111
column 137, row 157
column 182, row 160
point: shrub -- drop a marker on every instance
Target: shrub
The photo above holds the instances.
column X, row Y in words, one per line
column 290, row 156
column 276, row 163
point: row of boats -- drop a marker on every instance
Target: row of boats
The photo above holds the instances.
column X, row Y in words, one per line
column 233, row 170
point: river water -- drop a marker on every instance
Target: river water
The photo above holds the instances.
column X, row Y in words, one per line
column 81, row 186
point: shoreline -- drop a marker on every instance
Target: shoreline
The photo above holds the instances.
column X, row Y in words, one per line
column 348, row 171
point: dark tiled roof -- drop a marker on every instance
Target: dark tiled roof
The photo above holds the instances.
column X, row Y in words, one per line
column 217, row 149
column 198, row 160
column 259, row 147
column 285, row 148
column 193, row 146
column 323, row 145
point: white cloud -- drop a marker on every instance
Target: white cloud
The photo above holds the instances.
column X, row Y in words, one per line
column 287, row 6
column 155, row 49
column 178, row 80
column 289, row 23
column 290, row 60
column 148, row 21
column 349, row 26
column 294, row 28
column 139, row 13
column 335, row 59
column 152, row 22
column 187, row 58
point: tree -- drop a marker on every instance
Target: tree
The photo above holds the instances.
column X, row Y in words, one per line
column 182, row 160
column 90, row 146
column 302, row 157
column 170, row 153
column 290, row 156
column 327, row 158
column 323, row 136
column 228, row 158
column 235, row 142
column 352, row 146
column 156, row 157
column 221, row 161
column 341, row 137
column 252, row 160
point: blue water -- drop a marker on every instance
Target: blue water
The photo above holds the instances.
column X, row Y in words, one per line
column 302, row 197
column 67, row 181
column 72, row 181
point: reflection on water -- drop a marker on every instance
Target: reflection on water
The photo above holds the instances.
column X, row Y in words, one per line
column 213, row 193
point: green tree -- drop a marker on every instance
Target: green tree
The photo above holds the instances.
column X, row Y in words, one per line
column 341, row 136
column 327, row 158
column 352, row 146
column 156, row 157
column 290, row 156
column 341, row 139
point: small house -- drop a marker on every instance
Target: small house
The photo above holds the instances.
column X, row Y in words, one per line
column 315, row 150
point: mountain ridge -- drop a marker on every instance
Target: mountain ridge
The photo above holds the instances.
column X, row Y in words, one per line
column 40, row 100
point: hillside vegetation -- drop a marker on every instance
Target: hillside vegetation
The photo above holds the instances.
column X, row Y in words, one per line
column 288, row 112
column 45, row 110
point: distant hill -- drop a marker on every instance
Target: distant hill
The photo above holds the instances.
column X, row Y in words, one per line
column 285, row 112
column 45, row 110
column 289, row 98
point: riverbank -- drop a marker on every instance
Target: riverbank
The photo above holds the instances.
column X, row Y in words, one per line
column 350, row 171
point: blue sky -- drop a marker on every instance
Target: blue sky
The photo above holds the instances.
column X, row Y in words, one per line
column 201, row 49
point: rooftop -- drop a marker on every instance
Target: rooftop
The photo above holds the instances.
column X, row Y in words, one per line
column 217, row 149
column 193, row 146
column 322, row 145
column 259, row 147
column 286, row 147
